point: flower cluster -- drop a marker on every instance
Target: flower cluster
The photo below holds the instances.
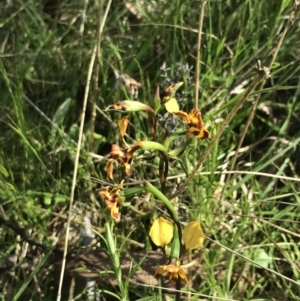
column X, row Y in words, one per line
column 169, row 235
column 173, row 270
column 122, row 156
column 195, row 123
column 193, row 119
column 113, row 199
column 162, row 233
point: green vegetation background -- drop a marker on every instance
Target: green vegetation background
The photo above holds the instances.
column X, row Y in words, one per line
column 45, row 51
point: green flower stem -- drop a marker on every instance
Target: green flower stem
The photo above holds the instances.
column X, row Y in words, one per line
column 176, row 244
column 164, row 162
column 136, row 210
column 158, row 194
column 179, row 150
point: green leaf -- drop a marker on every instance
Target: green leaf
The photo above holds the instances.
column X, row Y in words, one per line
column 156, row 101
column 62, row 111
column 261, row 257
column 182, row 147
column 3, row 171
column 60, row 199
column 60, row 114
column 132, row 191
column 47, row 200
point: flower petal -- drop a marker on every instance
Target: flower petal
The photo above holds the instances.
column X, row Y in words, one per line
column 103, row 192
column 117, row 152
column 192, row 236
column 171, row 105
column 195, row 118
column 161, row 232
column 183, row 115
column 127, row 169
column 159, row 271
column 182, row 275
column 201, row 133
column 110, row 168
column 114, row 213
column 123, row 124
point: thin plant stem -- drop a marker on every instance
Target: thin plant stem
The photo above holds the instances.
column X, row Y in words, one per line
column 178, row 289
column 198, row 62
column 196, row 105
column 251, row 116
column 75, row 173
column 254, row 263
column 96, row 77
column 83, row 17
column 76, row 163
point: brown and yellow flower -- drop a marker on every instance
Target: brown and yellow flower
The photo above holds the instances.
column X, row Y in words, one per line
column 113, row 199
column 195, row 123
column 168, row 99
column 124, row 156
column 173, row 271
column 170, row 91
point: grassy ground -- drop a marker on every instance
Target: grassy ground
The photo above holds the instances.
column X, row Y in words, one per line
column 246, row 193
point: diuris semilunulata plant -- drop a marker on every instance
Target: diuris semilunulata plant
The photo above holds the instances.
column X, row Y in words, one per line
column 168, row 235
